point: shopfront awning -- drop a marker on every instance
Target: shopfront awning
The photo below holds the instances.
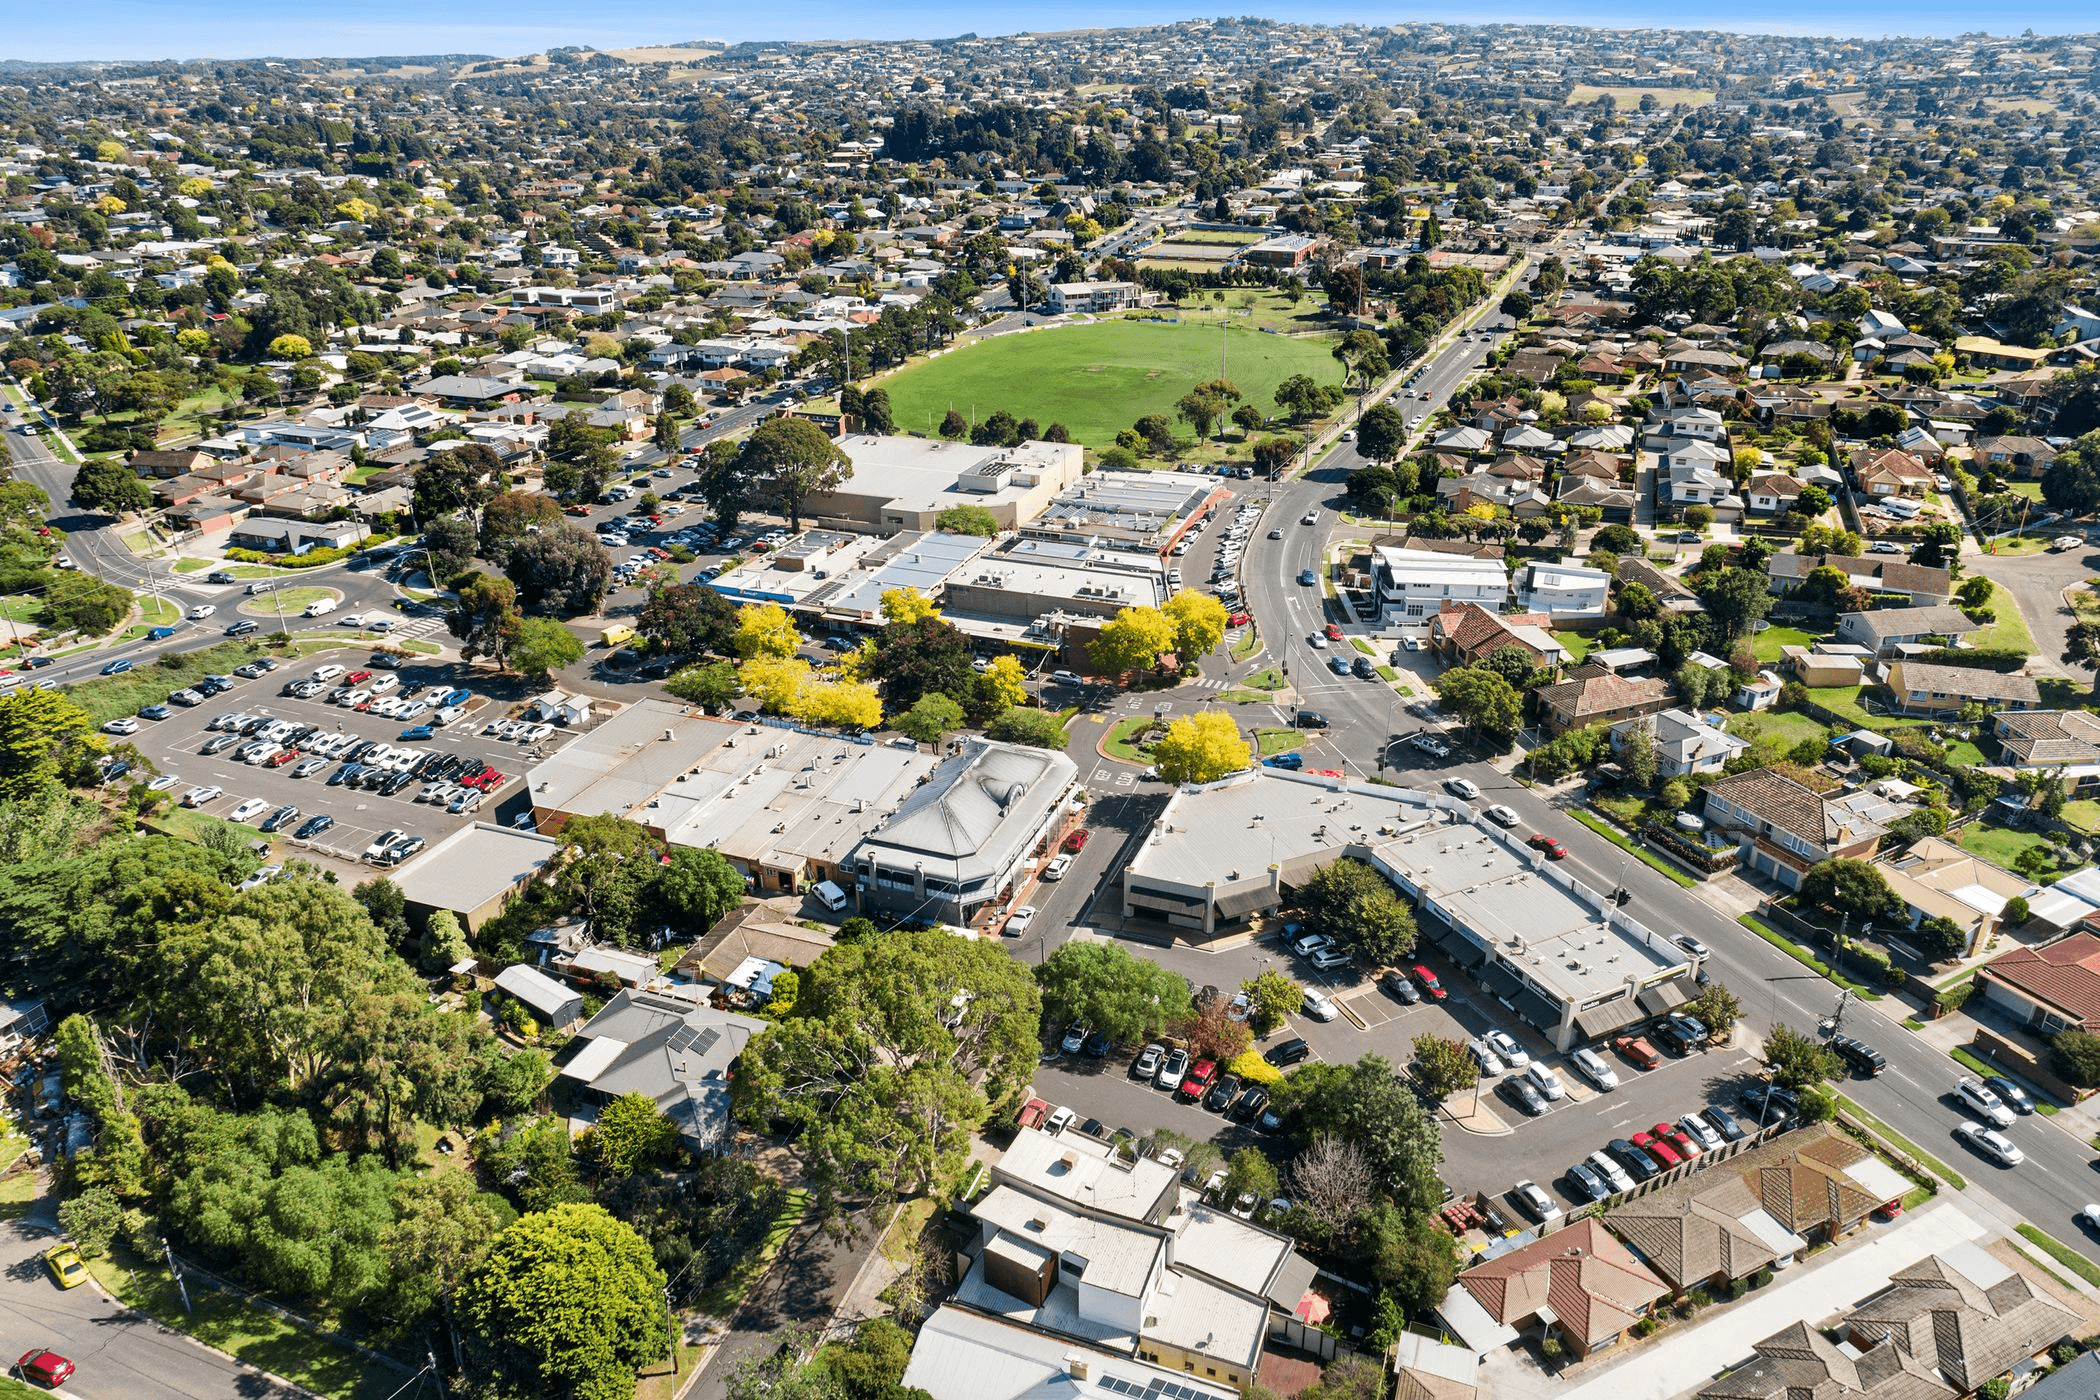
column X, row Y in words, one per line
column 1600, row 1021
column 1537, row 1010
column 1500, row 981
column 1241, row 903
column 1464, row 953
column 1661, row 998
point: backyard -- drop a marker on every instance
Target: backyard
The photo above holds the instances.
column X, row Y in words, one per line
column 1098, row 379
column 1775, row 726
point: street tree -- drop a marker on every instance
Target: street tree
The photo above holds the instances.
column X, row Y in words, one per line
column 925, row 656
column 107, row 485
column 689, row 619
column 932, row 718
column 1482, row 699
column 1021, row 725
column 568, row 1302
column 765, row 629
column 711, row 685
column 1198, row 621
column 1443, row 1066
column 1799, row 1061
column 560, row 571
column 1133, row 640
column 1716, row 1008
column 485, row 618
column 1271, row 996
column 1109, row 988
column 849, row 705
column 1201, row 749
column 542, row 647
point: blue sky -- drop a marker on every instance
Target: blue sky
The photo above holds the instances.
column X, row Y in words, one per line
column 303, row 28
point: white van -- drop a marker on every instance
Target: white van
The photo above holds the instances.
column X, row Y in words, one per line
column 322, row 607
column 328, row 672
column 830, row 896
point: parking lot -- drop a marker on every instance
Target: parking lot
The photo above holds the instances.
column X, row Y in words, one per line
column 174, row 744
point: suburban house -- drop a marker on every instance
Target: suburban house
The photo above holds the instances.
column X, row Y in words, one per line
column 2065, row 742
column 1414, row 584
column 1799, row 1361
column 1786, row 829
column 1921, row 688
column 962, row 1354
column 1580, row 1280
column 1877, row 573
column 1937, row 879
column 2052, row 988
column 1773, row 493
column 1563, row 590
column 1668, row 589
column 1827, row 664
column 1760, row 1207
column 1462, row 633
column 1886, row 631
column 1890, row 471
column 1601, row 698
column 675, row 1051
column 1684, row 743
column 1962, row 1312
column 2015, row 456
column 276, row 536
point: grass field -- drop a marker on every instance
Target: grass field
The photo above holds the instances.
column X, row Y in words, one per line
column 2000, row 845
column 1765, row 645
column 1630, row 96
column 2009, row 630
column 1781, row 727
column 1098, row 379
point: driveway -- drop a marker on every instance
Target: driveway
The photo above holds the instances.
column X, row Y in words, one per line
column 1688, row 1356
column 804, row 1287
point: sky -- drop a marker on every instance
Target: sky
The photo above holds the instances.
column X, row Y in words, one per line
column 184, row 29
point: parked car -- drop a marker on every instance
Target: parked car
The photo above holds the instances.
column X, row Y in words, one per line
column 1426, row 979
column 312, row 827
column 1484, row 1055
column 1289, row 1052
column 1528, row 1098
column 1701, row 1132
column 1196, row 1083
column 1498, row 814
column 1147, row 1062
column 1016, row 924
column 1396, row 986
column 1505, row 1045
column 1637, row 1163
column 1593, row 1067
column 1583, row 1181
column 2011, row 1094
column 1534, row 1202
column 45, row 1367
column 1723, row 1123
column 1172, row 1070
column 1319, row 1006
column 1637, row 1051
column 1545, row 1081
column 1769, row 1103
column 1661, row 1150
column 1613, row 1172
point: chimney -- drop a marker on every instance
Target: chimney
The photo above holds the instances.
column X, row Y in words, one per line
column 1076, row 1366
column 667, row 736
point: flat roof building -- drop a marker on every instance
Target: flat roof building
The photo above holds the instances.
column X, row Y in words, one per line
column 475, row 871
column 1557, row 953
column 1136, row 511
column 1412, row 584
column 904, row 483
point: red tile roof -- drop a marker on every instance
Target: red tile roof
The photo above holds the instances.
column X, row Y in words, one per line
column 1593, row 1283
column 2065, row 975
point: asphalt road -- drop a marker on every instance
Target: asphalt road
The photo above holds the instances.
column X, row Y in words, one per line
column 2037, row 583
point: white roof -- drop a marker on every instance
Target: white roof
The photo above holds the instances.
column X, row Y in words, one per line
column 592, row 1060
column 964, row 1355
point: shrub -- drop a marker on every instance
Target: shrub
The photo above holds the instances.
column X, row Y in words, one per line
column 1253, row 1069
column 2075, row 1055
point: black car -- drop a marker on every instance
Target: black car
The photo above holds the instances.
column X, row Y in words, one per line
column 212, row 685
column 396, row 783
column 1364, row 669
column 243, row 627
column 1397, row 986
column 344, row 774
column 1673, row 1038
column 1863, row 1058
column 280, row 819
column 1222, row 1093
column 1250, row 1105
column 313, row 826
column 2009, row 1093
column 1639, row 1165
column 1723, row 1122
column 1584, row 1182
column 1310, row 719
column 1768, row 1103
column 1290, row 1052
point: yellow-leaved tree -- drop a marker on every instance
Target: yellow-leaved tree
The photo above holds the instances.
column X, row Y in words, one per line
column 773, row 681
column 1002, row 685
column 1199, row 623
column 906, row 604
column 765, row 629
column 1133, row 640
column 1201, row 749
column 846, row 704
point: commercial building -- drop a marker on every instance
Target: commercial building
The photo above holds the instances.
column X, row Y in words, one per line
column 838, row 577
column 1045, row 594
column 1139, row 512
column 475, row 872
column 904, row 483
column 961, row 841
column 1412, row 584
column 1556, row 953
column 1096, row 297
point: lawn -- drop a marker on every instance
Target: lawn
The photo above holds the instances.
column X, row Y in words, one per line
column 1584, row 93
column 249, row 1334
column 2000, row 845
column 156, row 611
column 1639, row 853
column 2010, row 629
column 1274, row 741
column 2083, row 814
column 2062, row 1253
column 1578, row 644
column 1765, row 645
column 1844, row 700
column 1120, row 742
column 1779, row 726
column 287, row 602
column 1097, row 379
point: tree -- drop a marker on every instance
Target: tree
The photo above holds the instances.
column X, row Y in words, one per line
column 1798, row 1061
column 953, row 425
column 1368, row 1104
column 906, row 604
column 1700, row 686
column 1000, row 686
column 1272, row 455
column 1107, row 987
column 791, row 460
column 2075, row 1054
column 91, row 1220
column 765, row 629
column 1940, row 938
column 688, row 619
column 485, row 618
column 1133, row 640
column 2082, row 648
column 698, row 887
column 1249, row 1173
column 1198, row 620
column 2072, row 482
column 1381, row 434
column 2015, row 913
column 1850, row 887
column 850, row 705
column 542, row 647
column 1212, row 1034
column 930, row 719
column 1443, row 1066
column 291, row 347
column 1715, row 1008
column 568, row 1302
column 1482, row 699
column 1201, row 749
column 444, row 942
column 41, row 734
column 631, row 1134
column 441, row 1231
column 1036, row 728
column 110, row 486
column 1735, row 598
column 511, row 516
column 451, row 541
column 922, row 657
column 895, row 1055
column 1332, row 1180
column 561, row 570
column 773, row 681
column 711, row 686
column 1358, row 911
column 967, row 520
column 1200, row 411
column 458, row 478
column 1271, row 996
column 1636, row 751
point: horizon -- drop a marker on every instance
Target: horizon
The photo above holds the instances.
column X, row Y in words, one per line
column 247, row 30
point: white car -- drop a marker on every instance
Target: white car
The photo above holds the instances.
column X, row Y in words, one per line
column 382, row 841
column 261, row 877
column 1593, row 1067
column 1534, row 1201
column 1546, row 1082
column 121, row 726
column 351, row 620
column 1501, row 815
column 1059, row 1120
column 1490, row 1063
column 1991, row 1143
column 328, row 672
column 1608, row 1167
column 1316, row 641
column 1057, row 867
column 1984, row 1102
column 1319, row 1006
column 163, row 783
column 201, row 611
column 1462, row 787
column 1506, row 1047
column 1020, row 920
column 249, row 810
column 1701, row 1132
column 198, row 796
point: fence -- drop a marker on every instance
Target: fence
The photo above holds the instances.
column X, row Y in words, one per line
column 2005, row 1051
column 1295, row 1331
column 1755, row 1137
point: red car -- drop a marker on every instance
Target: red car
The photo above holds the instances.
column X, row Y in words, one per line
column 1678, row 1138
column 357, row 678
column 1197, row 1083
column 1239, row 619
column 659, row 551
column 45, row 1366
column 1077, row 840
column 279, row 759
column 1639, row 1051
column 1431, row 988
column 1665, row 1155
column 1334, row 632
column 575, row 510
column 1553, row 849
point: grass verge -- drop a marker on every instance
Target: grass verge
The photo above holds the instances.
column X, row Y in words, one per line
column 1801, row 955
column 1248, row 644
column 728, row 1294
column 1619, row 839
column 248, row 1334
column 1120, row 741
column 109, row 697
column 1903, row 1144
column 2062, row 1253
column 1274, row 741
